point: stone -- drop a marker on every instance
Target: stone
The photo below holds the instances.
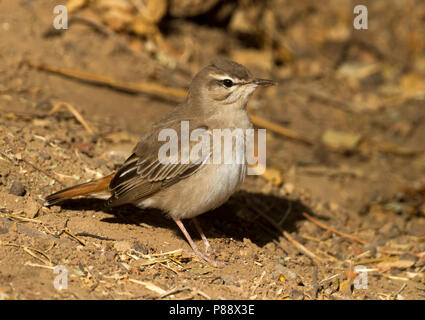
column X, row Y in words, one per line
column 17, row 188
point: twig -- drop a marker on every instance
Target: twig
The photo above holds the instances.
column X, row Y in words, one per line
column 202, row 294
column 8, row 157
column 174, row 291
column 399, row 253
column 399, row 290
column 390, row 148
column 333, row 230
column 329, row 278
column 74, row 236
column 174, row 252
column 331, row 257
column 301, row 248
column 277, row 128
column 167, row 267
column 258, row 282
column 38, row 265
column 298, row 245
column 14, row 216
column 132, row 87
column 74, row 112
column 322, row 170
column 395, row 277
column 31, row 252
column 150, row 286
column 375, row 260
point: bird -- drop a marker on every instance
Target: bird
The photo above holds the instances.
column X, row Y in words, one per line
column 217, row 99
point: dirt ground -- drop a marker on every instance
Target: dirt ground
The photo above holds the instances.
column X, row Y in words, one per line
column 350, row 190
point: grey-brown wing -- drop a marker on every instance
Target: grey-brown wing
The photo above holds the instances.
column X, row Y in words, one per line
column 142, row 175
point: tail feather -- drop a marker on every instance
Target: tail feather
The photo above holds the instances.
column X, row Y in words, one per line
column 89, row 188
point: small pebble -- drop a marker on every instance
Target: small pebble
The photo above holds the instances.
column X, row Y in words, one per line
column 44, row 155
column 17, row 188
column 140, row 247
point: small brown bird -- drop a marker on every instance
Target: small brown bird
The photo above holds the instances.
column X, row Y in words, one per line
column 217, row 100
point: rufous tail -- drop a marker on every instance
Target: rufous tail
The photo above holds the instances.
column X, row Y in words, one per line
column 100, row 186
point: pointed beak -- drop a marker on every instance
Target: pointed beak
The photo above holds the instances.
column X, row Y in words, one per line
column 263, row 82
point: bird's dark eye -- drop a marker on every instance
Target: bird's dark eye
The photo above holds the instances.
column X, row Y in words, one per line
column 228, row 83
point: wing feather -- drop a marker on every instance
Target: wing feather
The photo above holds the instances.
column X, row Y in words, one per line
column 142, row 175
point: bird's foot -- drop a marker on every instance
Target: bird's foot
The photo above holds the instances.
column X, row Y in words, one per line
column 209, row 251
column 204, row 257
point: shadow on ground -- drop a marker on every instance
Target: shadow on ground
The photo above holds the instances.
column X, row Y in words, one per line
column 256, row 216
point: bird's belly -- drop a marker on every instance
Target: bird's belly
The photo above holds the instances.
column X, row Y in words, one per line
column 205, row 190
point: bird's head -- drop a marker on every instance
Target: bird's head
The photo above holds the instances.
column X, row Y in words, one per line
column 224, row 83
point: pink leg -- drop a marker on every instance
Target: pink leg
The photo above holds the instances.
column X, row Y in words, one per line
column 208, row 247
column 203, row 257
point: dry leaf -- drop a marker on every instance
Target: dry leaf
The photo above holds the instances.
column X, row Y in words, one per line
column 341, row 141
column 398, row 264
column 357, row 70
